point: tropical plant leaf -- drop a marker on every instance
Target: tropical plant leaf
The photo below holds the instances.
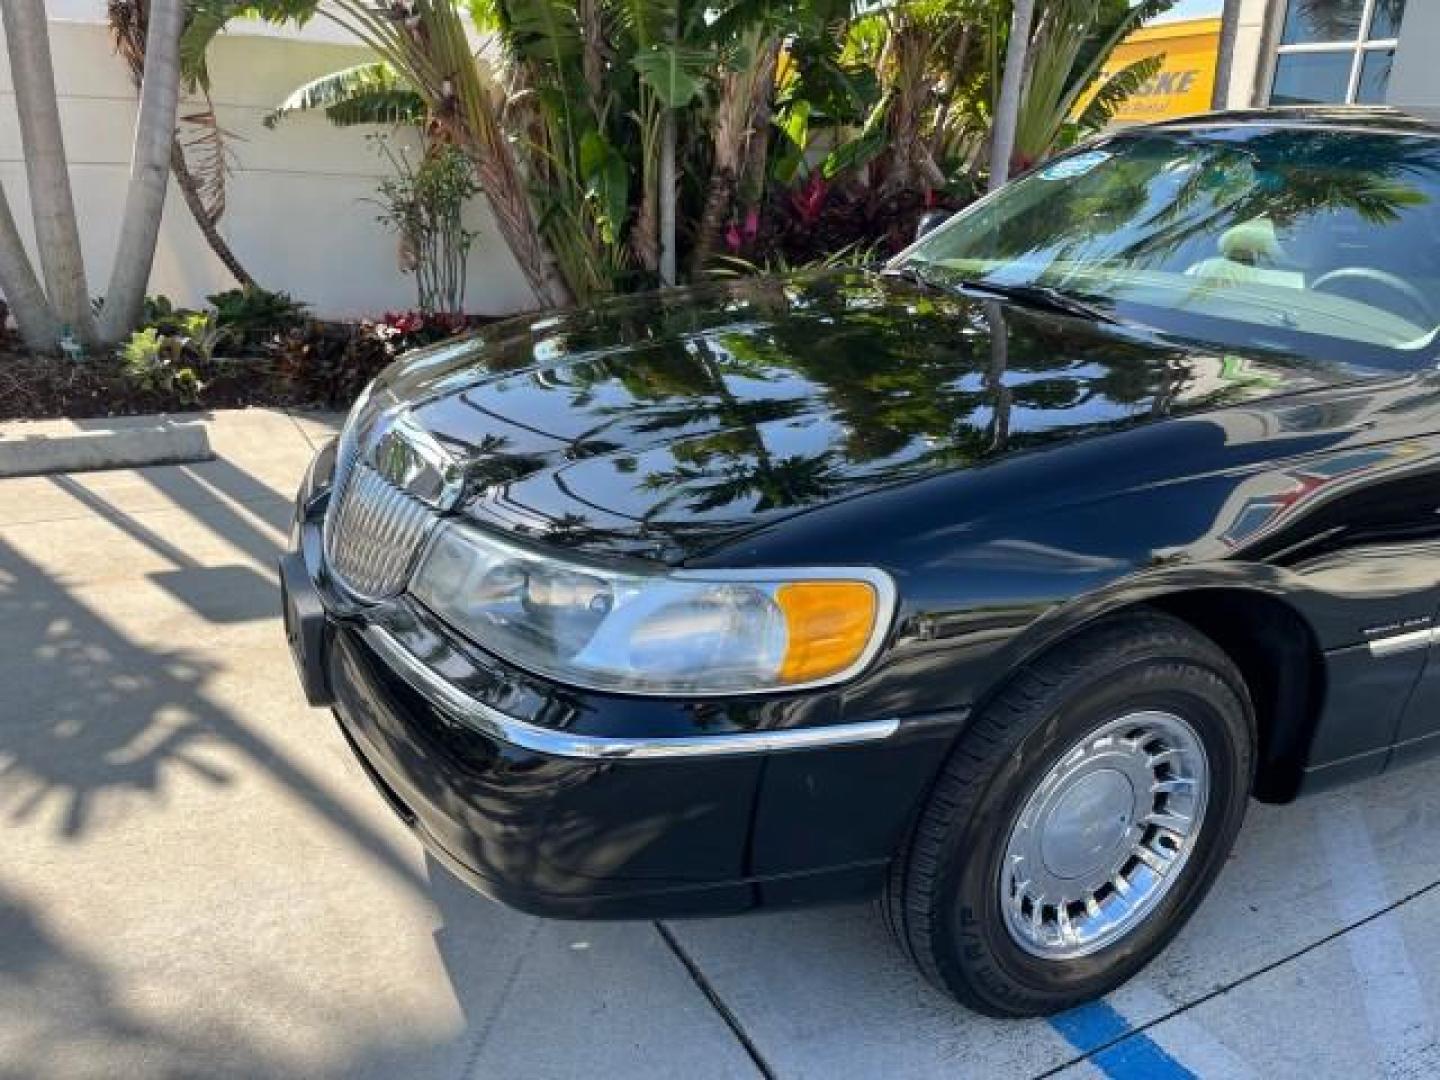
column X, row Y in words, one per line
column 607, row 181
column 371, row 93
column 205, row 146
column 1097, row 47
column 861, row 150
column 1073, row 40
column 486, row 15
column 546, row 31
column 794, row 125
column 205, row 19
column 676, row 73
column 855, row 154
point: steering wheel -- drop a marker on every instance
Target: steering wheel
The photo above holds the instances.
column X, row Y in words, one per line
column 1357, row 283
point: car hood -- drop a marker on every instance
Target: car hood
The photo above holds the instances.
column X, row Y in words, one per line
column 663, row 425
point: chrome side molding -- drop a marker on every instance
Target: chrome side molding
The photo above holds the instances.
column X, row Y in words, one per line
column 489, row 721
column 1399, row 643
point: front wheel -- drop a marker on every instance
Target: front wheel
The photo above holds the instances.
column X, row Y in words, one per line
column 1080, row 820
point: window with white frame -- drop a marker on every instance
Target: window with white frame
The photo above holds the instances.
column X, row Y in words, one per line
column 1336, row 52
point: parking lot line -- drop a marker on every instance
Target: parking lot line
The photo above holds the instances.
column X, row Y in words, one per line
column 1100, row 1032
column 1392, row 998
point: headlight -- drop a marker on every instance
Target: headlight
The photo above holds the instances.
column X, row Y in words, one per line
column 682, row 632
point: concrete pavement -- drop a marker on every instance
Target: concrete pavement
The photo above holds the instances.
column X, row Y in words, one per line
column 195, row 878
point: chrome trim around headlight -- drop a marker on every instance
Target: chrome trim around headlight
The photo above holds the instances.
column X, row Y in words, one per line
column 462, row 707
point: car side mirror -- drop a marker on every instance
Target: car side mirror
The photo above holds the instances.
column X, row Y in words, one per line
column 930, row 221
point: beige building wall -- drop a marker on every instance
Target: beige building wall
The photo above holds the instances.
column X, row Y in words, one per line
column 297, row 216
column 1414, row 80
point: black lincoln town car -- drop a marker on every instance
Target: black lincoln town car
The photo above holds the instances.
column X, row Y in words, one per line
column 992, row 584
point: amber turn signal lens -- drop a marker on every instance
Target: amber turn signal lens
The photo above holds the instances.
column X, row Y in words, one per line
column 829, row 625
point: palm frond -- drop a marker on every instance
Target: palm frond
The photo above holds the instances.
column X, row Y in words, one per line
column 370, row 93
column 1116, row 90
column 1097, row 47
column 206, row 148
column 1073, row 40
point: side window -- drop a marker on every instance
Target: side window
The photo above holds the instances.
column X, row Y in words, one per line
column 1334, row 52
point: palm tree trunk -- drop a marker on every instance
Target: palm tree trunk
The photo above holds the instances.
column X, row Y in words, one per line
column 468, row 91
column 149, row 171
column 39, row 328
column 129, row 20
column 1224, row 64
column 435, row 56
column 667, row 198
column 741, row 124
column 941, row 133
column 909, row 52
column 728, row 127
column 185, row 181
column 645, row 232
column 57, row 235
column 1007, row 109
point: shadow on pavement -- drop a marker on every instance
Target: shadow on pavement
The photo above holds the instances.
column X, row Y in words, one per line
column 64, row 1016
column 87, row 711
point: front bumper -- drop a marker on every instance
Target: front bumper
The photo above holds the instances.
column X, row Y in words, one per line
column 554, row 804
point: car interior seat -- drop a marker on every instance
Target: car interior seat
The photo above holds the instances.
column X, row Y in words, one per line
column 1250, row 253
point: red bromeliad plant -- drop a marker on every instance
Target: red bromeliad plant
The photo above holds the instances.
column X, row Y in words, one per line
column 808, row 200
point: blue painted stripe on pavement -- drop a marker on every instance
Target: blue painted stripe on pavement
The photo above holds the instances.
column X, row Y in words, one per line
column 1135, row 1057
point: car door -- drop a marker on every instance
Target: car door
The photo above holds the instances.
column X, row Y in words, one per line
column 1418, row 732
column 1418, row 735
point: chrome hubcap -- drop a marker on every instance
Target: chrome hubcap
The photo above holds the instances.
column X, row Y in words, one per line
column 1104, row 835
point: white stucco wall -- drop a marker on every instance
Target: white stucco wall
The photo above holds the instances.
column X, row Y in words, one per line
column 296, row 216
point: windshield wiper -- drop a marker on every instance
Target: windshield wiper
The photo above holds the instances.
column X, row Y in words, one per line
column 912, row 273
column 1041, row 296
column 1046, row 297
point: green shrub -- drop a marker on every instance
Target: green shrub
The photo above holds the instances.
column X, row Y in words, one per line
column 154, row 361
column 252, row 310
column 161, row 313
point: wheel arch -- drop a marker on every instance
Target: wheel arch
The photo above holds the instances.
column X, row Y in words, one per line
column 1268, row 639
column 1283, row 667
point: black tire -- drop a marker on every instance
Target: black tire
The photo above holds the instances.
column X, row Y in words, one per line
column 943, row 903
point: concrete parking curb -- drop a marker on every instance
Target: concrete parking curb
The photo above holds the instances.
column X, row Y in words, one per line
column 37, row 450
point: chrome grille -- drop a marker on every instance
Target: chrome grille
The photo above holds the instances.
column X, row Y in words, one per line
column 373, row 533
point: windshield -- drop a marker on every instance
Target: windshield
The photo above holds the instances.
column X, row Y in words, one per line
column 1322, row 243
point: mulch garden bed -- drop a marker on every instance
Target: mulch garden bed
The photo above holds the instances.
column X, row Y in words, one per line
column 320, row 365
column 43, row 388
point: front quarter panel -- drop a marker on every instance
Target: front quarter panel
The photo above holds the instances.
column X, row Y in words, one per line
column 1329, row 504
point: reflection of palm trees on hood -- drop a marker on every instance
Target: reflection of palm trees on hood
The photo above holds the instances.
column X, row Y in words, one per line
column 764, row 482
column 859, row 381
column 751, row 473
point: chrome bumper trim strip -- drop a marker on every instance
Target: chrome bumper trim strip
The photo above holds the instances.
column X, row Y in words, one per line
column 450, row 699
